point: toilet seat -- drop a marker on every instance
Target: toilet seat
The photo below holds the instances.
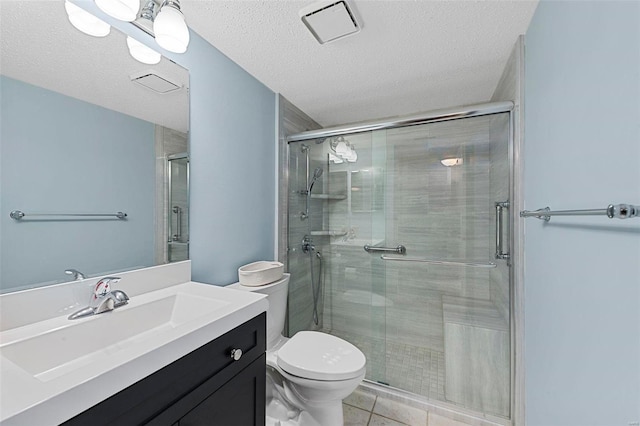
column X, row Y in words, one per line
column 320, row 356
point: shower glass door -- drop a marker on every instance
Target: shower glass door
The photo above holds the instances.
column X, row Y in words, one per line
column 432, row 318
column 178, row 208
column 337, row 221
column 447, row 319
column 356, row 300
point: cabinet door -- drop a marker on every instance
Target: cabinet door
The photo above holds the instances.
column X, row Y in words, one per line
column 241, row 401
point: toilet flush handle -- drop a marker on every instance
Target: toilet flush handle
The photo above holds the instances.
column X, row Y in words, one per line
column 236, row 354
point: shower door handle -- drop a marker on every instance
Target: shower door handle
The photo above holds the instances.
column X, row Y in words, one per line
column 178, row 235
column 500, row 207
column 400, row 249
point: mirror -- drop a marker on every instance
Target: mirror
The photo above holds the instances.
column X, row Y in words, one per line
column 78, row 137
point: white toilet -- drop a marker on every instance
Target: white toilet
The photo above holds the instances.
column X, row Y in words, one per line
column 309, row 374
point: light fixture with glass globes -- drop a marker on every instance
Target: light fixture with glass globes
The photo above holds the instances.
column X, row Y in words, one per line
column 162, row 19
column 142, row 53
column 86, row 22
column 124, row 10
column 170, row 30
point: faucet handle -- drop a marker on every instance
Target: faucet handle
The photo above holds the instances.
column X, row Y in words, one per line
column 103, row 287
column 77, row 275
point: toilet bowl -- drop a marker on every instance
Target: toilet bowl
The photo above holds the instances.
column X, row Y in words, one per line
column 309, row 374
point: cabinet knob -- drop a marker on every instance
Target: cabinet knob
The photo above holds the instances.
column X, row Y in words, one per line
column 236, row 354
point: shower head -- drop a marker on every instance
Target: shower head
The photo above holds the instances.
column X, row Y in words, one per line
column 316, row 175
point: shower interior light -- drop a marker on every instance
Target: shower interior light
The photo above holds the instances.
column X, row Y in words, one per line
column 142, row 53
column 86, row 22
column 124, row 10
column 450, row 162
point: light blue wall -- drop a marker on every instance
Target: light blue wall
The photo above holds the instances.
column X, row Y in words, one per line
column 233, row 159
column 233, row 168
column 59, row 154
column 582, row 275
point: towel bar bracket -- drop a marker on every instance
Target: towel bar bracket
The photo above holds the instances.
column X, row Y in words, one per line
column 620, row 211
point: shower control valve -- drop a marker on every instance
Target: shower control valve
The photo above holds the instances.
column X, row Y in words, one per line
column 307, row 244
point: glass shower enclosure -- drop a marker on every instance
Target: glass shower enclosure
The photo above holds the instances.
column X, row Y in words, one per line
column 408, row 227
column 178, row 207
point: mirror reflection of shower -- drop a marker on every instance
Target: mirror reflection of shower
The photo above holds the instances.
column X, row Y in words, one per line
column 177, row 210
column 177, row 207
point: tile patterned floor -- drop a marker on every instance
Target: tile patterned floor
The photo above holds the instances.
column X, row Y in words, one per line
column 365, row 409
column 411, row 368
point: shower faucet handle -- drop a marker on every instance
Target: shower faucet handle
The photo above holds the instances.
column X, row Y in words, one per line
column 307, row 244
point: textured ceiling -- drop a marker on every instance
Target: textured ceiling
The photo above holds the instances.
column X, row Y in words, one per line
column 39, row 46
column 410, row 56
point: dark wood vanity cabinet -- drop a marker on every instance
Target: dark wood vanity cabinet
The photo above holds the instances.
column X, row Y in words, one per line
column 206, row 387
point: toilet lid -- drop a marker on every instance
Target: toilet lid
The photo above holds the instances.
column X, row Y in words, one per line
column 321, row 356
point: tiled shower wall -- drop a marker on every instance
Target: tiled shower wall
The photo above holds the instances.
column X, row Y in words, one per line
column 396, row 311
column 291, row 229
column 438, row 331
column 437, row 213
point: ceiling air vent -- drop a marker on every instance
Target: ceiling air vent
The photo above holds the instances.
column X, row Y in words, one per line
column 153, row 81
column 330, row 20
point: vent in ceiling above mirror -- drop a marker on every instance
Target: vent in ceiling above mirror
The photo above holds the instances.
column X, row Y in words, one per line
column 153, row 81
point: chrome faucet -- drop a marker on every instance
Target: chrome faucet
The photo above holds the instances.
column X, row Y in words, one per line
column 103, row 299
column 77, row 275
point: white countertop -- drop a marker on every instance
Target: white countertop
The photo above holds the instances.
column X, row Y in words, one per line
column 53, row 395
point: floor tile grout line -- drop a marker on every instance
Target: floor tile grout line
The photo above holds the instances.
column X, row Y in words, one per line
column 372, row 412
column 375, row 399
column 393, row 419
column 390, row 418
column 370, row 417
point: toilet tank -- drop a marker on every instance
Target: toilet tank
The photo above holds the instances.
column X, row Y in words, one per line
column 277, row 297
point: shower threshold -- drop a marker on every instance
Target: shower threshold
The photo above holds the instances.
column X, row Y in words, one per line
column 459, row 415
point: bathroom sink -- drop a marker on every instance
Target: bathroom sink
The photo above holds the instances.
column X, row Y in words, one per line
column 81, row 342
column 57, row 368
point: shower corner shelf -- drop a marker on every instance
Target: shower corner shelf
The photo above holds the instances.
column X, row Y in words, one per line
column 329, row 196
